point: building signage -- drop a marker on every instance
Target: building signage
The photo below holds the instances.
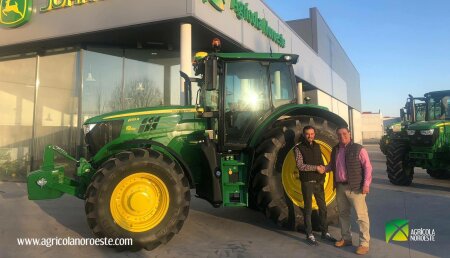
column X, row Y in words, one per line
column 58, row 4
column 15, row 13
column 242, row 11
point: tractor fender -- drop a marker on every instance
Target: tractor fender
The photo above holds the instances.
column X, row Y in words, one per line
column 163, row 149
column 293, row 110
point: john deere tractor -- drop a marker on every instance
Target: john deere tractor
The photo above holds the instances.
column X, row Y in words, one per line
column 427, row 144
column 234, row 147
column 412, row 112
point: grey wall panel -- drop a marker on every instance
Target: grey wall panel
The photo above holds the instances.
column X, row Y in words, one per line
column 330, row 50
column 91, row 17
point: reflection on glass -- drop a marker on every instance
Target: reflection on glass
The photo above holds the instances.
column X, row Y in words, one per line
column 17, row 86
column 56, row 107
column 102, row 74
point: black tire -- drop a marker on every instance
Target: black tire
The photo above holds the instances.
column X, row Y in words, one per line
column 383, row 144
column 399, row 171
column 267, row 191
column 439, row 173
column 113, row 171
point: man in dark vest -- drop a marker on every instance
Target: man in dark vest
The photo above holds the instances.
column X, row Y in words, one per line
column 312, row 176
column 352, row 177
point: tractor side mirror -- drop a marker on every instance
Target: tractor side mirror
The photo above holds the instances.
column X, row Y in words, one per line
column 211, row 74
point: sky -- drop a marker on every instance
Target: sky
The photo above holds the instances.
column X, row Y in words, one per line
column 399, row 47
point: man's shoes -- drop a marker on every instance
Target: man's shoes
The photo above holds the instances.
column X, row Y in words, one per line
column 362, row 250
column 342, row 243
column 311, row 240
column 328, row 237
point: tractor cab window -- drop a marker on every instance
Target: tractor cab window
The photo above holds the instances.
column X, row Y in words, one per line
column 420, row 112
column 246, row 98
column 439, row 108
column 281, row 84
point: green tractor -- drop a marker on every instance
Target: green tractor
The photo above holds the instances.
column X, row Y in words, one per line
column 408, row 115
column 427, row 144
column 234, row 147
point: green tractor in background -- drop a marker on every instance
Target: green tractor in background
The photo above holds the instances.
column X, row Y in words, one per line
column 412, row 112
column 234, row 147
column 427, row 143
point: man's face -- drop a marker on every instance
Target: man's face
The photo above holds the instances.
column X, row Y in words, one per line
column 343, row 135
column 309, row 135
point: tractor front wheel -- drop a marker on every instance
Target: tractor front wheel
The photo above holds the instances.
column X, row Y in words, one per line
column 399, row 171
column 139, row 194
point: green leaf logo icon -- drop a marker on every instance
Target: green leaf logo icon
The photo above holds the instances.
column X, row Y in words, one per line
column 218, row 4
column 397, row 230
column 14, row 13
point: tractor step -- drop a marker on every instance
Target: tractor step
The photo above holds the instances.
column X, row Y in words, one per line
column 234, row 189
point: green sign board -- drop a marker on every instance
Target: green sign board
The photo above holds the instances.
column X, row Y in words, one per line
column 242, row 11
column 15, row 13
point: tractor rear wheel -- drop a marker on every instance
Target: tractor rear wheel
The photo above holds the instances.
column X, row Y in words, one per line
column 139, row 194
column 399, row 171
column 275, row 184
column 439, row 173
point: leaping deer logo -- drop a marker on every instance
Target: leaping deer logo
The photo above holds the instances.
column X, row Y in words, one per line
column 11, row 8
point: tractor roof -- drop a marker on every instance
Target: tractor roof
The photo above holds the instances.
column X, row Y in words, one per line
column 437, row 94
column 258, row 56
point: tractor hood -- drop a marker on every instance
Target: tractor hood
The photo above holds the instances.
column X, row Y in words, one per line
column 424, row 125
column 160, row 110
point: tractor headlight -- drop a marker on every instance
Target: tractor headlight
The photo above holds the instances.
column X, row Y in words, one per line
column 87, row 128
column 427, row 132
column 410, row 132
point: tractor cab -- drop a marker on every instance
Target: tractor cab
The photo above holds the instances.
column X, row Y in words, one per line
column 239, row 90
column 438, row 105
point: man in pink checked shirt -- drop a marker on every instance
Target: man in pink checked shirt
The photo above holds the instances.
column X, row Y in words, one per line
column 352, row 175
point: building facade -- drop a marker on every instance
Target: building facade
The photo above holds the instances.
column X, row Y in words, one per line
column 62, row 61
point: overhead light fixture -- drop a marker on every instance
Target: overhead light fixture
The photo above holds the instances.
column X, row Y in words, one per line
column 90, row 77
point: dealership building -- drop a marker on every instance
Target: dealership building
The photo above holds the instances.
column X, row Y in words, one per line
column 62, row 61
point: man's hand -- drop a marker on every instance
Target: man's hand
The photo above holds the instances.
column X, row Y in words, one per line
column 320, row 169
column 365, row 190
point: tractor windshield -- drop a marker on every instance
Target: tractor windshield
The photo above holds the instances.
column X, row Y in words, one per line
column 252, row 88
column 438, row 108
column 421, row 109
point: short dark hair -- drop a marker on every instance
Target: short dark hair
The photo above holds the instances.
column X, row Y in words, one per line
column 308, row 127
column 342, row 127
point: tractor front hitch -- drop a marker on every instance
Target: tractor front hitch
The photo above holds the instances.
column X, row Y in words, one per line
column 50, row 182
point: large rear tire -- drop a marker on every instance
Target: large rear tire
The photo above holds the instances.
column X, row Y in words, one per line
column 439, row 173
column 399, row 171
column 275, row 184
column 140, row 194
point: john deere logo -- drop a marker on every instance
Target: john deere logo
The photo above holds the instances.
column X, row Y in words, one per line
column 14, row 13
column 218, row 4
column 397, row 230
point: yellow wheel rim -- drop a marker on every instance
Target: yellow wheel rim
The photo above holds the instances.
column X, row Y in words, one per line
column 291, row 181
column 139, row 202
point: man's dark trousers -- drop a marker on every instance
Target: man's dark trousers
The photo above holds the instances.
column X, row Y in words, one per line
column 308, row 190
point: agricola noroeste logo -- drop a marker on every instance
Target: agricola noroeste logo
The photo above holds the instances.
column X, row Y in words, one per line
column 397, row 230
column 15, row 13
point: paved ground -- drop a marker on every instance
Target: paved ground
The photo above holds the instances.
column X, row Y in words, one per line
column 236, row 232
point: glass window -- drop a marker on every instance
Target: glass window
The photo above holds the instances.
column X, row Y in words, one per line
column 102, row 85
column 17, row 89
column 439, row 108
column 56, row 120
column 246, row 98
column 281, row 83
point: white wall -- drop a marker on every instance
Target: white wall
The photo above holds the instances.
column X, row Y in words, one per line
column 357, row 125
column 372, row 126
